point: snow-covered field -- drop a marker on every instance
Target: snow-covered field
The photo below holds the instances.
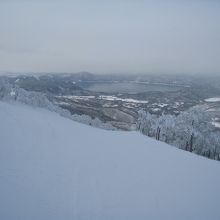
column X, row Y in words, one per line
column 114, row 98
column 215, row 99
column 52, row 168
column 216, row 124
column 105, row 97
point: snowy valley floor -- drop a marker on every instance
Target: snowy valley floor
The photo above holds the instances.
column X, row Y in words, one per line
column 52, row 168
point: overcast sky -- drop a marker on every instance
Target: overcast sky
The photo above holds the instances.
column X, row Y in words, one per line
column 114, row 36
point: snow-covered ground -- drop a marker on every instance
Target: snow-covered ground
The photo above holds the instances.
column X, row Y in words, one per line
column 216, row 124
column 215, row 99
column 52, row 168
column 114, row 98
column 78, row 97
column 105, row 97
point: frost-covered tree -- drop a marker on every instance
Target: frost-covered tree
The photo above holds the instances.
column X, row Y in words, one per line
column 191, row 130
column 165, row 128
column 146, row 123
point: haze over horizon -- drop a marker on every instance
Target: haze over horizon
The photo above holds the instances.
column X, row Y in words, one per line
column 110, row 36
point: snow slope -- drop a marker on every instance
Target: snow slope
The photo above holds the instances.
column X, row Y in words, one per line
column 52, row 168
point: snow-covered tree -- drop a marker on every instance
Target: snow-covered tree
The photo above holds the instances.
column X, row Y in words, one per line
column 191, row 130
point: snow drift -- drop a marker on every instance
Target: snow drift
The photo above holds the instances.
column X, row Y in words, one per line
column 54, row 168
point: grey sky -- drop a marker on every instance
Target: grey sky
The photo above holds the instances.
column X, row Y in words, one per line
column 116, row 36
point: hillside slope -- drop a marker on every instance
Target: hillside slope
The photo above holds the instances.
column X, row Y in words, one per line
column 54, row 168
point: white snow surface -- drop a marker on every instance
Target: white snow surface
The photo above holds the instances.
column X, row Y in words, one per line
column 52, row 168
column 215, row 99
column 216, row 124
column 114, row 98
